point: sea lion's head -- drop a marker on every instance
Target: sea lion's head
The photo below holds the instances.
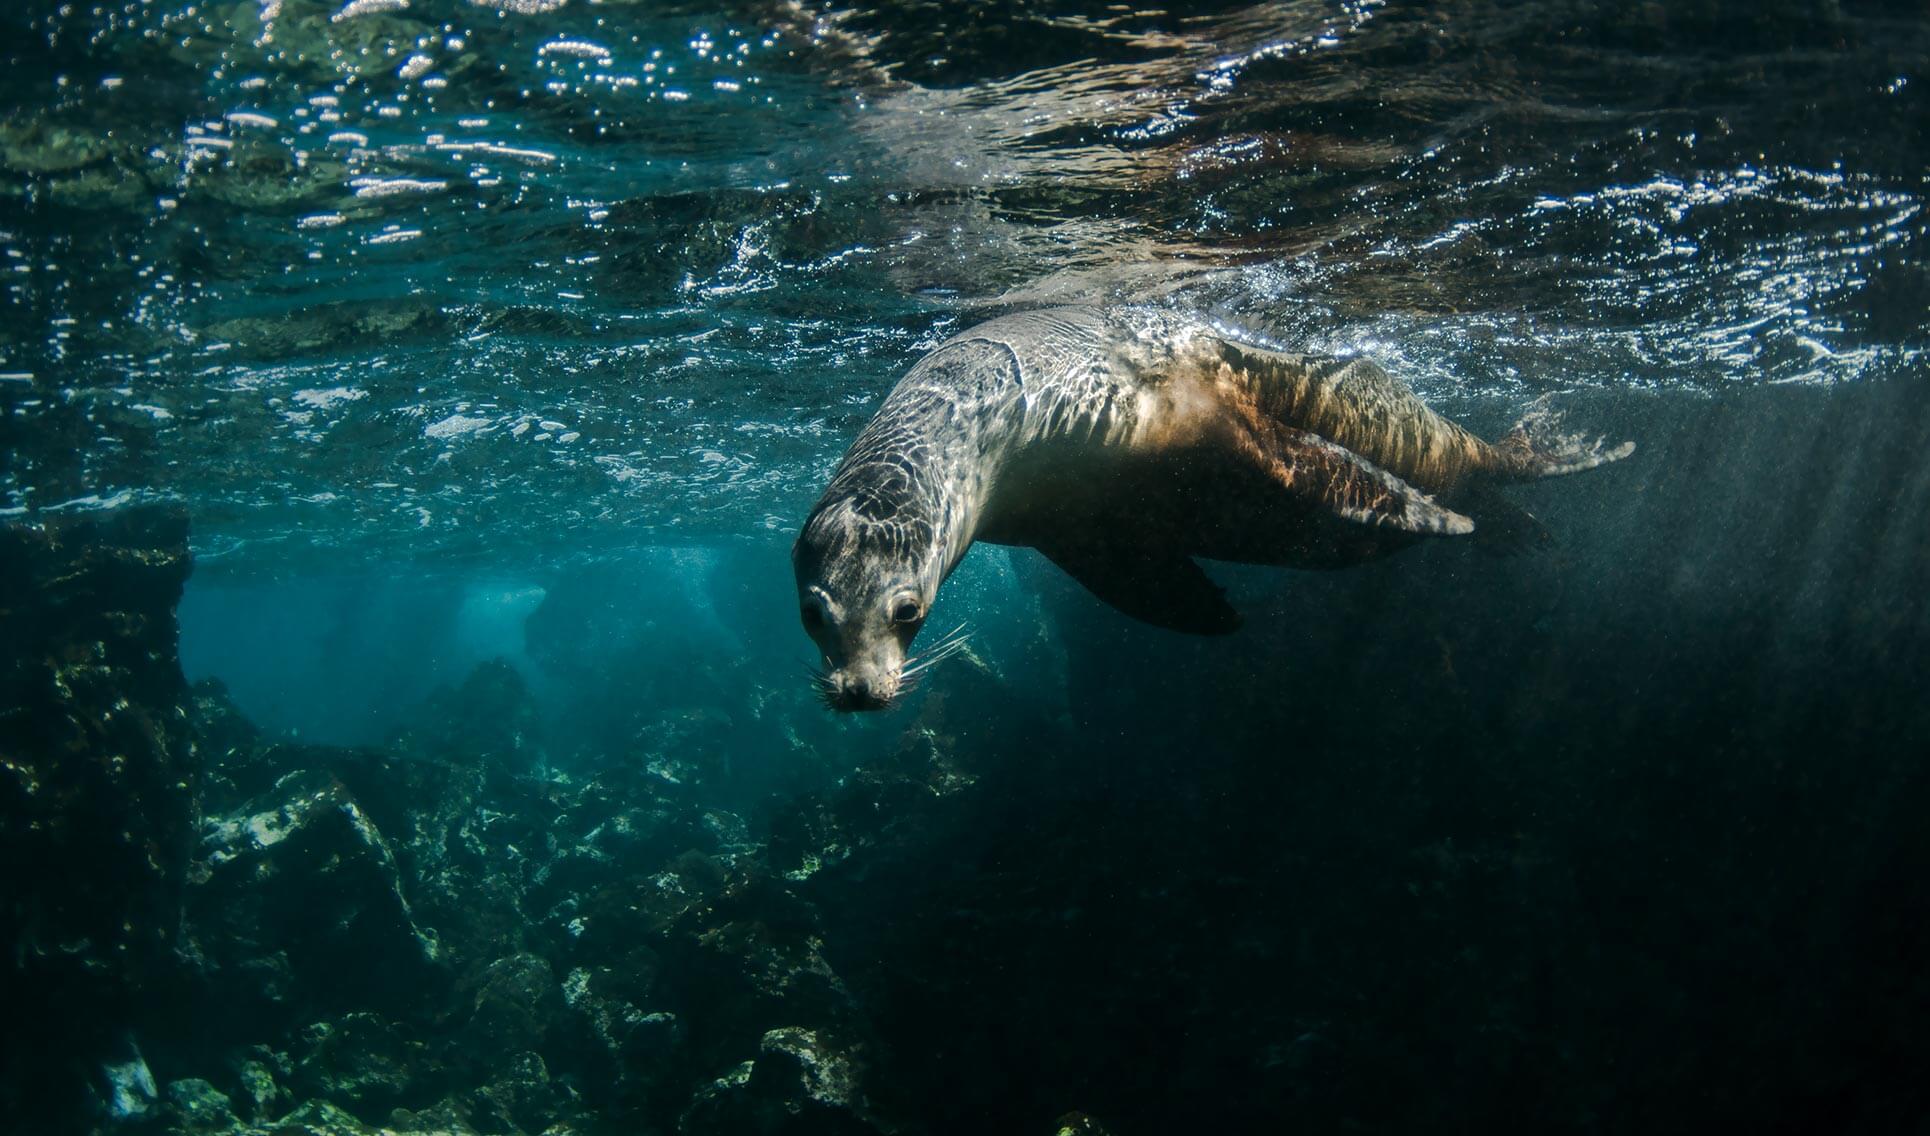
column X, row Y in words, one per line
column 865, row 581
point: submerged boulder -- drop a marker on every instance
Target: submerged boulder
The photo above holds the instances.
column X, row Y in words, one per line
column 466, row 802
column 198, row 1106
column 298, row 906
column 363, row 1062
column 127, row 1086
column 803, row 1082
column 628, row 1054
column 515, row 1007
column 258, row 1073
column 521, row 1097
column 315, row 1118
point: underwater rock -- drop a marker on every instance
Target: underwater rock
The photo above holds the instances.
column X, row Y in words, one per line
column 447, row 934
column 445, row 1118
column 237, row 763
column 625, row 1051
column 522, row 1097
column 361, row 1062
column 467, row 804
column 825, row 1074
column 199, row 1107
column 98, row 776
column 261, row 1095
column 753, row 930
column 298, row 906
column 621, row 880
column 626, row 873
column 801, row 1083
column 131, row 1093
column 750, row 958
column 97, row 791
column 882, row 803
column 515, row 1007
column 320, row 1118
column 926, row 781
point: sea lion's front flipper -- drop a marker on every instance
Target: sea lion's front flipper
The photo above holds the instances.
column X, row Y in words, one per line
column 1353, row 488
column 1163, row 588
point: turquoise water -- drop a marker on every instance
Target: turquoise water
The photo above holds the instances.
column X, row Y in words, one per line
column 494, row 350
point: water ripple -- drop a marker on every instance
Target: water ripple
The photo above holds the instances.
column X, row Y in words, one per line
column 406, row 277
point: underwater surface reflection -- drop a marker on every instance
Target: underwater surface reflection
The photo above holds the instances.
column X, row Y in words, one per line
column 461, row 279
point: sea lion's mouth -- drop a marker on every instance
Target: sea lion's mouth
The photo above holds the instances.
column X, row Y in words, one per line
column 841, row 693
column 853, row 702
column 845, row 692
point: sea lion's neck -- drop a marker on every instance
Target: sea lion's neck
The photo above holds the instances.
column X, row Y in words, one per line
column 927, row 467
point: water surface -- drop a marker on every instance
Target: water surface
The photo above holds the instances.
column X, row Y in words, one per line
column 534, row 281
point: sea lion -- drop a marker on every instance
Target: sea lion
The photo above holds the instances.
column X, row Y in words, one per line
column 1122, row 443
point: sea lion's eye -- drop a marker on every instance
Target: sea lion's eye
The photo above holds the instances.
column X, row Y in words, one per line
column 906, row 611
column 813, row 616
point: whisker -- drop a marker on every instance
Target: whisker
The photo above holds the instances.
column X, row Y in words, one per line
column 944, row 643
column 923, row 662
column 821, row 685
column 948, row 635
column 929, row 657
column 933, row 657
column 948, row 647
column 951, row 644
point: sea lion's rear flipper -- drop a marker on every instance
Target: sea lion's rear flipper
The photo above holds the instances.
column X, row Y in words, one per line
column 1355, row 489
column 1540, row 445
column 1165, row 589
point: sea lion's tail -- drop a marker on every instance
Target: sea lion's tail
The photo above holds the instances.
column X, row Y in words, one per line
column 1540, row 446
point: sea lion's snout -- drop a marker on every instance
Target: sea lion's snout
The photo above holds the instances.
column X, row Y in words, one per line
column 851, row 691
column 870, row 680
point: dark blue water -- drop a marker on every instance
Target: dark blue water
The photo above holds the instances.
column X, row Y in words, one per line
column 495, row 348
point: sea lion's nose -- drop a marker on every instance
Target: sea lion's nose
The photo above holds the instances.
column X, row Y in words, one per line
column 861, row 692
